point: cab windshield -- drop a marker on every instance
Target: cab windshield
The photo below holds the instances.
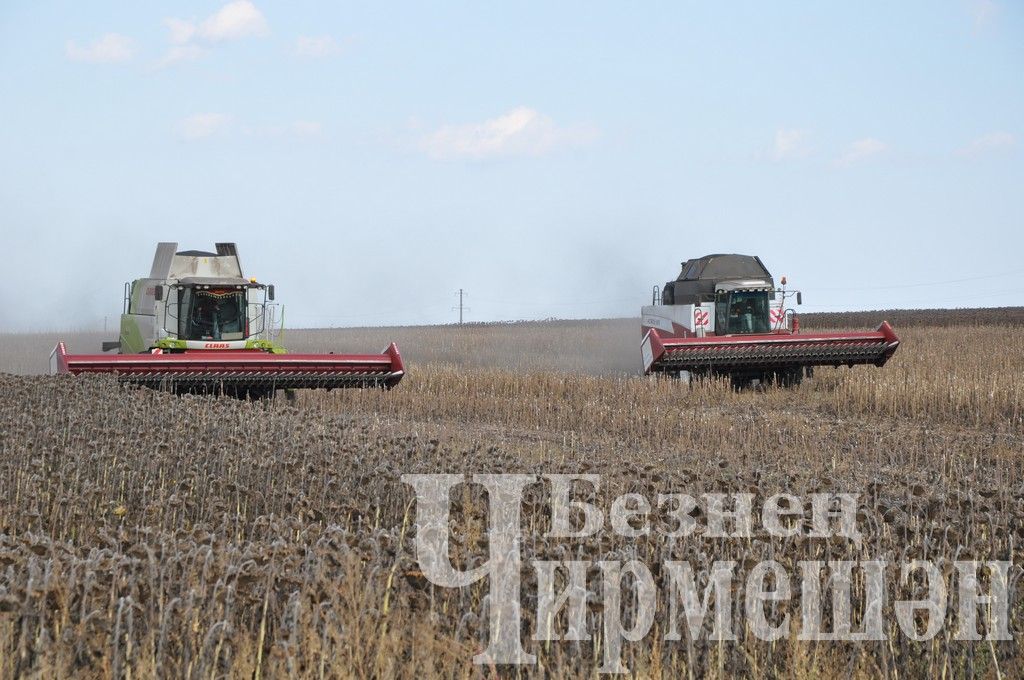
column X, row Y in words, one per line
column 212, row 314
column 742, row 311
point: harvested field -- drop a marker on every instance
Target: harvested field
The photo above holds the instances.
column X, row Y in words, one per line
column 143, row 534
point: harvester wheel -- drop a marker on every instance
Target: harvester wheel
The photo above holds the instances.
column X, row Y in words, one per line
column 689, row 378
column 790, row 377
column 793, row 377
column 741, row 382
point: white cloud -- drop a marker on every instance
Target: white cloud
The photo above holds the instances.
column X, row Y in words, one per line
column 181, row 53
column 862, row 149
column 238, row 19
column 984, row 13
column 202, row 125
column 235, row 20
column 181, row 30
column 992, row 142
column 520, row 132
column 790, row 144
column 316, row 46
column 108, row 49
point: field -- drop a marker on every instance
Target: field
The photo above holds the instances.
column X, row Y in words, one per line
column 143, row 534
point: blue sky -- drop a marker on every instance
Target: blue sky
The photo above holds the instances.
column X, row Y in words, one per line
column 552, row 159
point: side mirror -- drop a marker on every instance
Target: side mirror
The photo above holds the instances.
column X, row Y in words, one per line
column 799, row 298
column 158, row 293
column 270, row 292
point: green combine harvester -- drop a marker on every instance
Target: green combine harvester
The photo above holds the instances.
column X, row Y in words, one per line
column 197, row 324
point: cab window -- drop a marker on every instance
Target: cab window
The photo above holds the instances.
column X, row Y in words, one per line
column 740, row 312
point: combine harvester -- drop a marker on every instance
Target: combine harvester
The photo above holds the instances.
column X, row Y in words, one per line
column 723, row 315
column 197, row 325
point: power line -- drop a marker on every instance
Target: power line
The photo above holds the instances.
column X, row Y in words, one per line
column 461, row 307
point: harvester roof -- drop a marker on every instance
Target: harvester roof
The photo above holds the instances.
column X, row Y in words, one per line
column 216, row 281
column 724, row 266
column 169, row 263
column 700, row 276
column 196, row 253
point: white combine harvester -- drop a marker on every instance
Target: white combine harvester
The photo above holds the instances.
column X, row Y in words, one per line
column 724, row 315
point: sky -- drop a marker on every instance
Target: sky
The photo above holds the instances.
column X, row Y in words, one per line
column 551, row 159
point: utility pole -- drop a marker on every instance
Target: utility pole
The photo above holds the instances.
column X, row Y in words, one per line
column 461, row 307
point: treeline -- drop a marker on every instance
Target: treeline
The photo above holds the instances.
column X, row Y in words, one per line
column 903, row 318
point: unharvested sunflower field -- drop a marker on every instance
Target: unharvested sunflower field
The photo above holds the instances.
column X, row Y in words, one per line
column 148, row 535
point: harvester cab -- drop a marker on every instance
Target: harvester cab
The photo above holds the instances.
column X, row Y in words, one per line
column 196, row 324
column 195, row 299
column 724, row 315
